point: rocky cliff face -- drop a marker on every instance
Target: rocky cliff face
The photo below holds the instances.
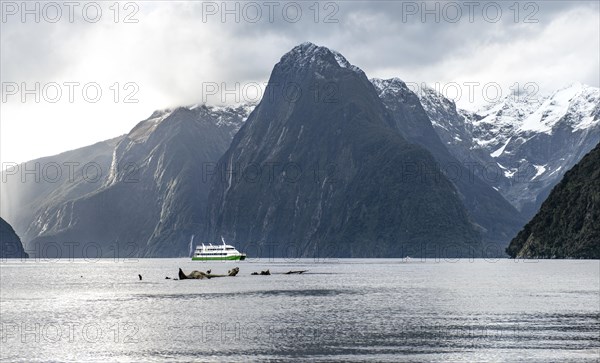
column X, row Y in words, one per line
column 326, row 172
column 31, row 188
column 497, row 219
column 154, row 198
column 568, row 222
column 10, row 243
column 525, row 143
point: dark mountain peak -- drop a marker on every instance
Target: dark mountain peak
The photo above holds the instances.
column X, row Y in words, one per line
column 311, row 77
column 443, row 113
column 228, row 117
column 160, row 113
column 311, row 56
column 395, row 90
column 431, row 95
column 395, row 93
column 364, row 206
column 394, row 84
column 395, row 87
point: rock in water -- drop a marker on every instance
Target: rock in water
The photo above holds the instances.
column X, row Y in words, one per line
column 299, row 272
column 234, row 271
column 199, row 275
column 182, row 275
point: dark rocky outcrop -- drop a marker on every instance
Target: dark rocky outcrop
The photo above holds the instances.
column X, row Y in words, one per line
column 199, row 275
column 10, row 243
column 568, row 222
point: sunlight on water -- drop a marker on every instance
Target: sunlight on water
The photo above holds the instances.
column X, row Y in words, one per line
column 351, row 310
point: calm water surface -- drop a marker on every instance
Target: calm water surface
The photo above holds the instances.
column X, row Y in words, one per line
column 349, row 310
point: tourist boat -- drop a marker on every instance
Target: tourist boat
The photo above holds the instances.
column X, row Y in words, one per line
column 222, row 252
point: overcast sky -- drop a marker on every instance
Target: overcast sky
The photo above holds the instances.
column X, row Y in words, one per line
column 175, row 53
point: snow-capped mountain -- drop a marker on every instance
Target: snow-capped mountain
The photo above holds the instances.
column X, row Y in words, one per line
column 497, row 219
column 526, row 144
column 308, row 54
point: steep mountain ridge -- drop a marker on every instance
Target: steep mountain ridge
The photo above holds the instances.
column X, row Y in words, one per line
column 566, row 225
column 350, row 192
column 154, row 197
column 32, row 187
column 498, row 221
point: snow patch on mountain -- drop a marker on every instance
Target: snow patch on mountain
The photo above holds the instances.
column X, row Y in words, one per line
column 514, row 120
column 145, row 128
column 539, row 170
column 531, row 139
column 556, row 170
column 307, row 54
column 499, row 152
column 557, row 106
column 510, row 173
column 343, row 62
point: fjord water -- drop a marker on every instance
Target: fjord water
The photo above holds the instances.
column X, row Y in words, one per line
column 350, row 310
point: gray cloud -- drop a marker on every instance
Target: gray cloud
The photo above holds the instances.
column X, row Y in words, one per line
column 171, row 52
